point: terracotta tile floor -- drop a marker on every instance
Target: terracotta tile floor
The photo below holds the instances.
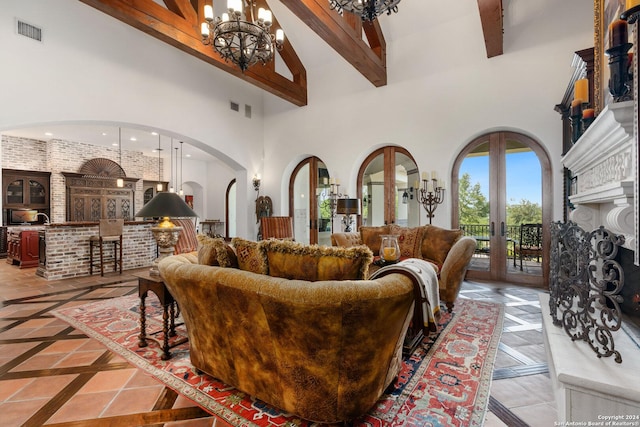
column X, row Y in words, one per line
column 51, row 374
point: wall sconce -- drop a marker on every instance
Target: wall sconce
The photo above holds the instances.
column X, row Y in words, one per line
column 256, row 182
column 431, row 194
column 407, row 194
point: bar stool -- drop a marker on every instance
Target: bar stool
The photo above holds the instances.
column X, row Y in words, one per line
column 110, row 232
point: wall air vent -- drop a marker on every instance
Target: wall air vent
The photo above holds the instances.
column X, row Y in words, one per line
column 28, row 30
column 247, row 111
column 234, row 106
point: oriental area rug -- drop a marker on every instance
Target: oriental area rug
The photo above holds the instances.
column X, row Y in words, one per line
column 445, row 382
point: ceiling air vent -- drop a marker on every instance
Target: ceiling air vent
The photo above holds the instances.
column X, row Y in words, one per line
column 28, row 30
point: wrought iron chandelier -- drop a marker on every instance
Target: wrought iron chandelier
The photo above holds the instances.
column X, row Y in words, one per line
column 368, row 10
column 239, row 40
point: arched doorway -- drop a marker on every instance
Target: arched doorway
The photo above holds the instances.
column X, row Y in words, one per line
column 230, row 210
column 500, row 181
column 308, row 196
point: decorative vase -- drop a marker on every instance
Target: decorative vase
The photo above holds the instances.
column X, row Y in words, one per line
column 389, row 248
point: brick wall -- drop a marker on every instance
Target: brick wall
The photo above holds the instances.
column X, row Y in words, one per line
column 68, row 250
column 23, row 153
column 57, row 156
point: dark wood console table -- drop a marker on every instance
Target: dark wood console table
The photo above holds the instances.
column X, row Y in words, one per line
column 146, row 283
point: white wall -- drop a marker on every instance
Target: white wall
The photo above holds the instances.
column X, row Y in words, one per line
column 442, row 92
column 91, row 67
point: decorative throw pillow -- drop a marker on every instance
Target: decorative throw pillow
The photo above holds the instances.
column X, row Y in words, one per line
column 371, row 237
column 215, row 251
column 293, row 260
column 409, row 240
column 187, row 240
column 250, row 258
column 437, row 242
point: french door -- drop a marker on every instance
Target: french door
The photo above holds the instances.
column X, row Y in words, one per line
column 501, row 181
column 309, row 202
column 387, row 183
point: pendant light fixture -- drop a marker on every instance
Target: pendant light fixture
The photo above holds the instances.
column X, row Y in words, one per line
column 176, row 150
column 367, row 10
column 240, row 38
column 171, row 188
column 120, row 181
column 181, row 191
column 159, row 186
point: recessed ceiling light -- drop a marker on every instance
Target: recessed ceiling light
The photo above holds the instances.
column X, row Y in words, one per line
column 187, row 155
column 133, row 138
column 154, row 133
column 115, row 144
column 48, row 133
column 104, row 134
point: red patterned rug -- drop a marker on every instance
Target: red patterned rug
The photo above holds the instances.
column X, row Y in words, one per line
column 444, row 383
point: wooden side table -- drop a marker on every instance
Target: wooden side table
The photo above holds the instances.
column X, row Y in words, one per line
column 146, row 283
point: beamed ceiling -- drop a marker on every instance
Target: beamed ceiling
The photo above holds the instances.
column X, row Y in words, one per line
column 178, row 24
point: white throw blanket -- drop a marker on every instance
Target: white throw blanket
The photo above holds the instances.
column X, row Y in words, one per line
column 425, row 278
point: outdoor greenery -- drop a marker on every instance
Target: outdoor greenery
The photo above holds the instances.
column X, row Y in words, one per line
column 474, row 206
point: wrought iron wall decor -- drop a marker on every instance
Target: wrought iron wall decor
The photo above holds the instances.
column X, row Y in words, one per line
column 585, row 284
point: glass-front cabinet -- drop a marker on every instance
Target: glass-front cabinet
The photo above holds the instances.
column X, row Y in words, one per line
column 24, row 194
column 15, row 193
column 26, row 189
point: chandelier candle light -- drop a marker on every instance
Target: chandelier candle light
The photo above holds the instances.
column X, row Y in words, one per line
column 368, row 10
column 239, row 40
column 431, row 194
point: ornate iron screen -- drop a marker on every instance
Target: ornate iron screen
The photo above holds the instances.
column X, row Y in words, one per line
column 585, row 284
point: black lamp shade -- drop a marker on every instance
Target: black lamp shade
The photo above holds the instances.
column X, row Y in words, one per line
column 166, row 204
column 348, row 207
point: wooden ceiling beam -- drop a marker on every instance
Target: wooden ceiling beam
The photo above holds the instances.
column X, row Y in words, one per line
column 179, row 26
column 345, row 37
column 491, row 17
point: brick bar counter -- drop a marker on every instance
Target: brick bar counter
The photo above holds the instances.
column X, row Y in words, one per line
column 64, row 248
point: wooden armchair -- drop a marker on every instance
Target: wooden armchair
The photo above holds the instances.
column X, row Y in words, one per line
column 277, row 227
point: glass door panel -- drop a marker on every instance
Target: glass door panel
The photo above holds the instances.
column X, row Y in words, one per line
column 301, row 208
column 407, row 208
column 523, row 210
column 15, row 192
column 37, row 193
column 323, row 206
column 373, row 196
column 473, row 203
column 310, row 202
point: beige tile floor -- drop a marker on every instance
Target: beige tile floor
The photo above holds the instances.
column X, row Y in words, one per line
column 51, row 374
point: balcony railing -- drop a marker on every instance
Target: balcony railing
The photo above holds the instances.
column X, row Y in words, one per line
column 482, row 234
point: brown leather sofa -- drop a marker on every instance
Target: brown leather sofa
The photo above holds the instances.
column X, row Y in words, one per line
column 449, row 250
column 322, row 350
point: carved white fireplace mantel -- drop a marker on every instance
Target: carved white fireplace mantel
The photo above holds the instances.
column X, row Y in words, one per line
column 602, row 162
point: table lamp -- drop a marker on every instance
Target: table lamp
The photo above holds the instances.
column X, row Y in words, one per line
column 348, row 207
column 165, row 205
